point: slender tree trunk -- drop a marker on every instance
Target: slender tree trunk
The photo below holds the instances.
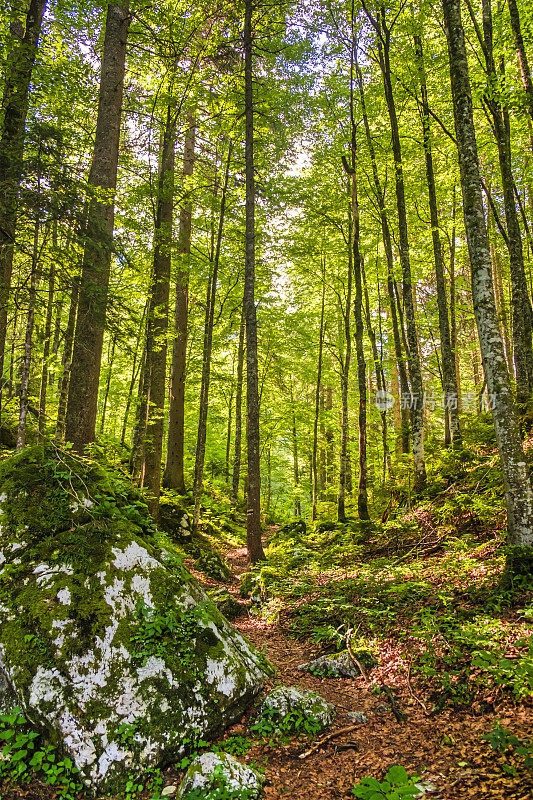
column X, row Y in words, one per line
column 67, row 361
column 518, row 491
column 30, row 323
column 417, row 392
column 174, row 476
column 111, row 355
column 253, row 514
column 139, row 428
column 15, row 109
column 156, row 345
column 387, row 244
column 238, row 414
column 345, row 372
column 296, row 469
column 522, row 311
column 448, row 367
column 82, row 403
column 208, row 346
column 228, row 430
column 525, row 71
column 134, row 374
column 317, row 395
column 46, row 350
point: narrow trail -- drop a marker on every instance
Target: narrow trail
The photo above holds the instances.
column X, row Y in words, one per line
column 371, row 748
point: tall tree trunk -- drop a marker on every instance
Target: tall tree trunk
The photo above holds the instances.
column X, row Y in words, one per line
column 111, row 358
column 139, row 428
column 525, row 71
column 317, row 395
column 15, row 109
column 345, row 369
column 295, row 466
column 387, row 244
column 67, row 360
column 46, row 349
column 518, row 491
column 522, row 311
column 208, row 346
column 134, row 374
column 174, row 477
column 30, row 323
column 238, row 414
column 448, row 367
column 156, row 344
column 416, row 399
column 253, row 514
column 82, row 403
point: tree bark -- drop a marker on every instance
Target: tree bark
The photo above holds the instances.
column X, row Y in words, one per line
column 111, row 358
column 345, row 369
column 448, row 366
column 15, row 110
column 253, row 514
column 317, row 396
column 416, row 398
column 67, row 360
column 238, row 414
column 208, row 346
column 80, row 423
column 174, row 476
column 518, row 491
column 156, row 344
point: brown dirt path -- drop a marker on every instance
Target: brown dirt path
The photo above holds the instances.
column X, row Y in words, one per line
column 463, row 769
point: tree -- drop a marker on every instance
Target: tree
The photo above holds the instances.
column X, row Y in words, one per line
column 518, row 491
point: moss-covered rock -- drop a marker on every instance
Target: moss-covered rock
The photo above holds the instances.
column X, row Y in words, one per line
column 212, row 771
column 226, row 602
column 340, row 665
column 285, row 700
column 108, row 642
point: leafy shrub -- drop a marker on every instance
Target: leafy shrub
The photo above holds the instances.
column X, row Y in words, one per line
column 272, row 723
column 398, row 784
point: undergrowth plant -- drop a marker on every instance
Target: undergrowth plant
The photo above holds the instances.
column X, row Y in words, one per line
column 398, row 785
column 271, row 723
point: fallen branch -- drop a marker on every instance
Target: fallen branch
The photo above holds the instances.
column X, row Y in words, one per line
column 350, row 653
column 326, row 739
column 395, row 708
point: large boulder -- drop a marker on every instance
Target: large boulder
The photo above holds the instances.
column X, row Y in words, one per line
column 109, row 644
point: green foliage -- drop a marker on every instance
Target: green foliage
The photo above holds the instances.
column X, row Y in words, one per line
column 161, row 633
column 26, row 755
column 503, row 741
column 398, row 784
column 271, row 723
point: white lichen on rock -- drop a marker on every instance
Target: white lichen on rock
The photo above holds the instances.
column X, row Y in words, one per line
column 285, row 699
column 210, row 769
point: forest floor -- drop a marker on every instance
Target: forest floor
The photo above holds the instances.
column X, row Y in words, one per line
column 445, row 746
column 447, row 749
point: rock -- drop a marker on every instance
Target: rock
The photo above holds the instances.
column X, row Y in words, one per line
column 293, row 530
column 284, row 699
column 340, row 665
column 175, row 521
column 226, row 603
column 168, row 791
column 357, row 716
column 248, row 583
column 8, row 698
column 218, row 770
column 110, row 645
column 213, row 565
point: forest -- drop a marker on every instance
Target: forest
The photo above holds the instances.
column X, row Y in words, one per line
column 266, row 399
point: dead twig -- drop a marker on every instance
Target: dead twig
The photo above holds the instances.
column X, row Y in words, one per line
column 413, row 695
column 326, row 739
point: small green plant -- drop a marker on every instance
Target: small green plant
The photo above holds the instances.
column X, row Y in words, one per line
column 273, row 724
column 25, row 755
column 162, row 632
column 503, row 741
column 234, row 745
column 398, row 785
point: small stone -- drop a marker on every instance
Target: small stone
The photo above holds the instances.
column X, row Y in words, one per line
column 340, row 665
column 382, row 708
column 357, row 716
column 168, row 790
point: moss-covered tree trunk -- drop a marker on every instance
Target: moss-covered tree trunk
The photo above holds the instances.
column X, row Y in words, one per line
column 80, row 422
column 238, row 414
column 518, row 491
